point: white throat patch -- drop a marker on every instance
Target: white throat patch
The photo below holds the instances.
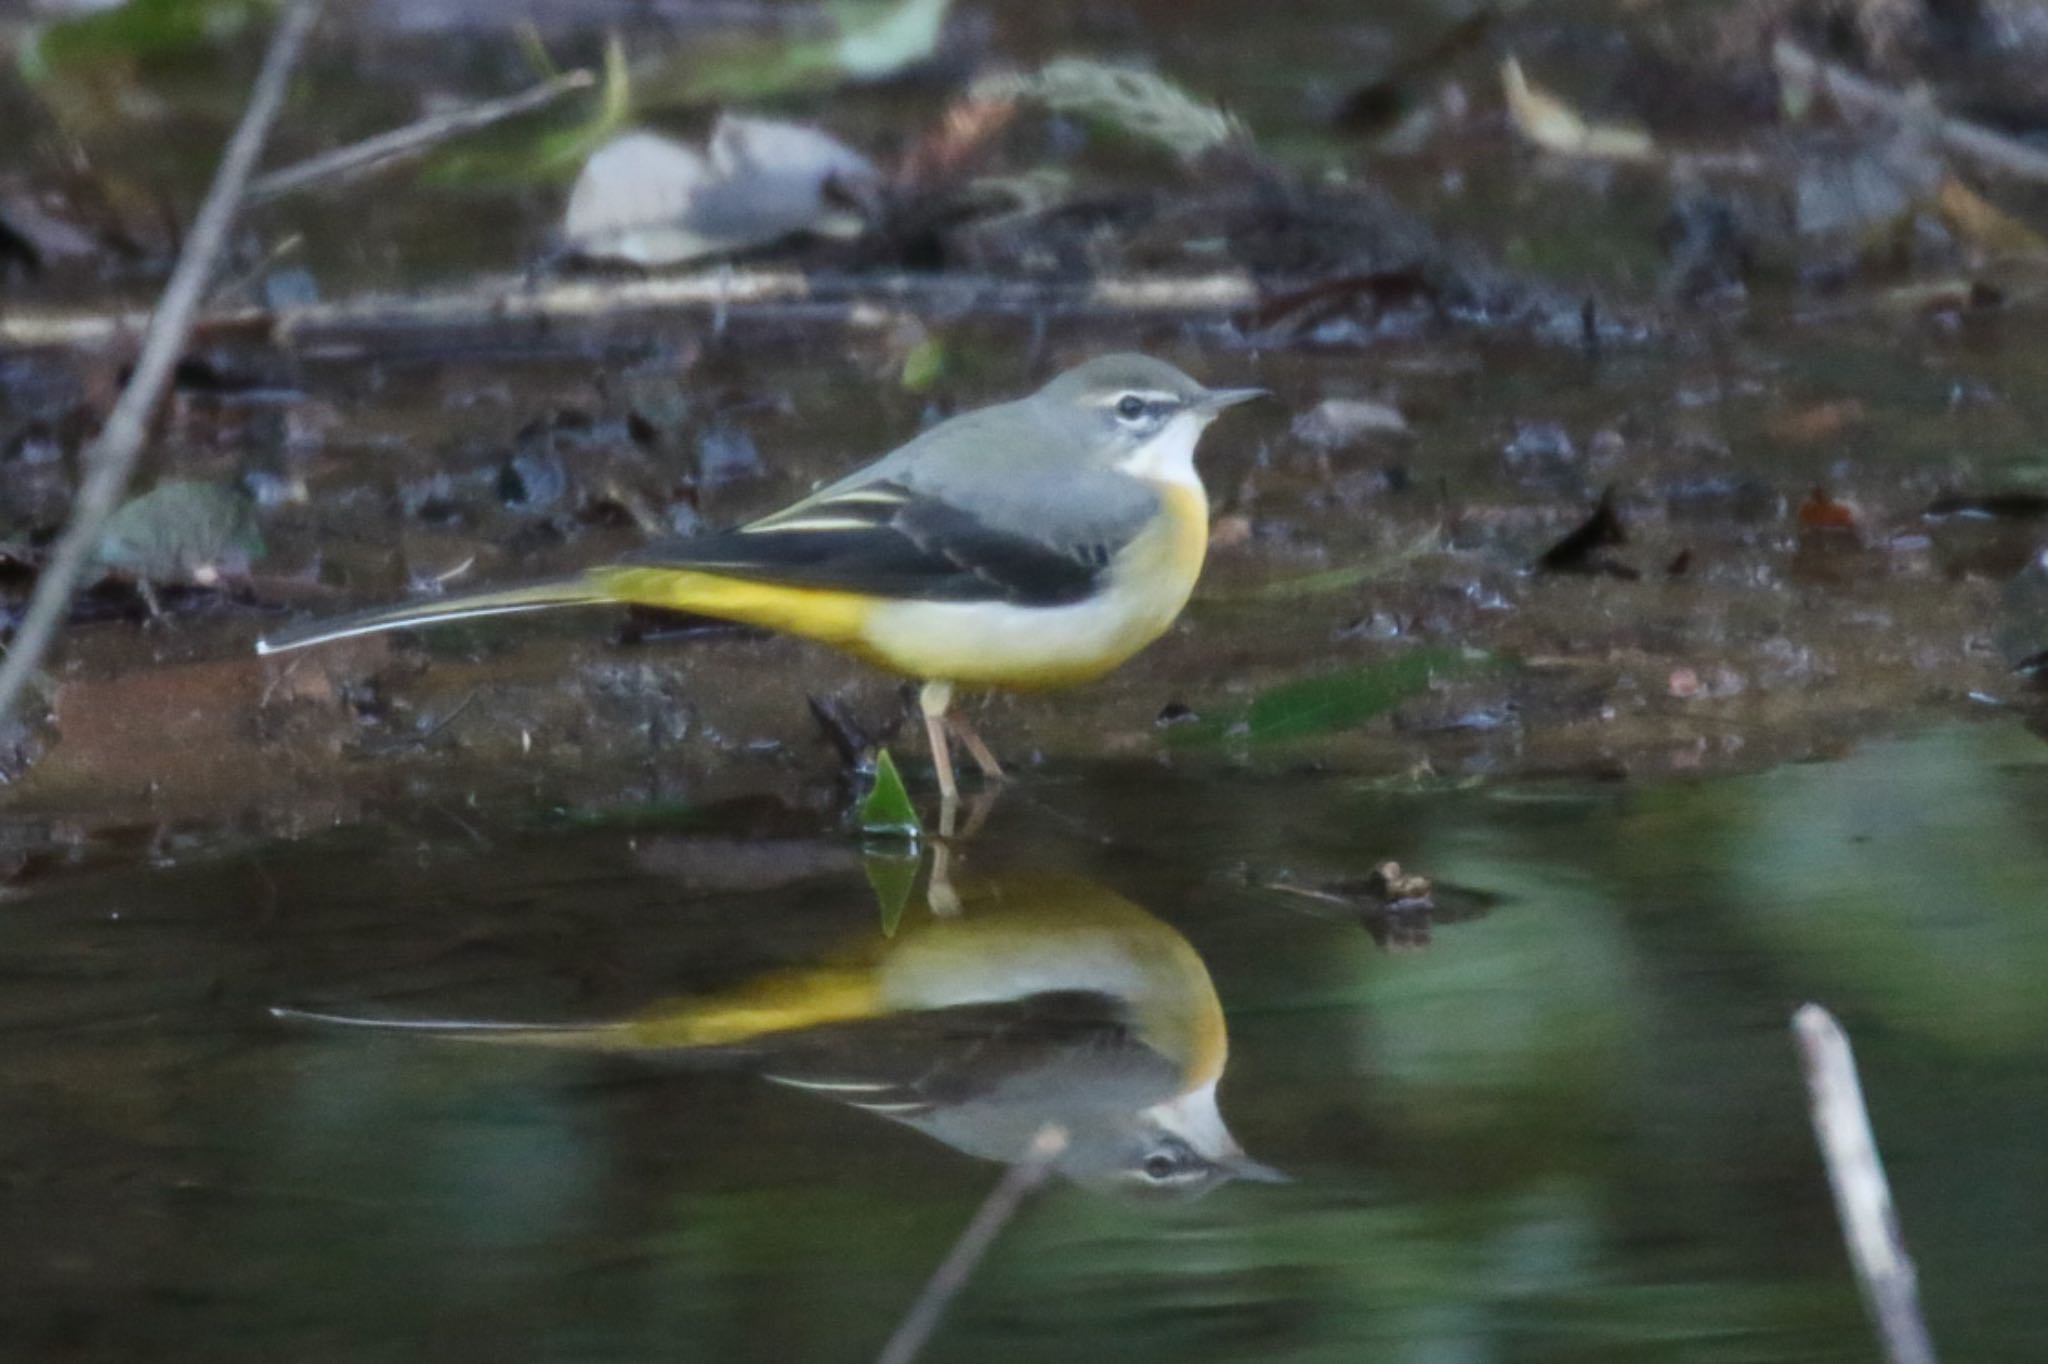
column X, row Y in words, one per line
column 1169, row 457
column 1195, row 1119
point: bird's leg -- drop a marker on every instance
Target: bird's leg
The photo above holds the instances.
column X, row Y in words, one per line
column 939, row 895
column 977, row 749
column 943, row 900
column 933, row 700
column 978, row 810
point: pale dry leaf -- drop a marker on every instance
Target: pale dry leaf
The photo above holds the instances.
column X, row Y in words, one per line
column 1984, row 224
column 649, row 200
column 631, row 199
column 767, row 173
column 1555, row 126
column 1336, row 422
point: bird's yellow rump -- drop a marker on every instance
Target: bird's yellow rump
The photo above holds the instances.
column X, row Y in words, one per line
column 1037, row 543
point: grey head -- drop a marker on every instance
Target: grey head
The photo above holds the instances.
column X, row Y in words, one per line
column 1131, row 1130
column 1059, row 458
column 1143, row 1157
column 1124, row 401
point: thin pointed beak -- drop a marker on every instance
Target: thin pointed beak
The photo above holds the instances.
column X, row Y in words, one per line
column 1244, row 1167
column 1216, row 399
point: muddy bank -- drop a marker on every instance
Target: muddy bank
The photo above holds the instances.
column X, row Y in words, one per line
column 1494, row 273
column 1376, row 599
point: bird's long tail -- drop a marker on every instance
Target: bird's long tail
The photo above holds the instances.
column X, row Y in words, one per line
column 582, row 590
column 776, row 1004
column 579, row 1036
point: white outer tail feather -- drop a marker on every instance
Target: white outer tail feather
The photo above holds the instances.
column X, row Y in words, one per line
column 469, row 606
column 455, row 1029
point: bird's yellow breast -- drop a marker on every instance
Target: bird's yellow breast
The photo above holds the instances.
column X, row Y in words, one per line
column 1029, row 648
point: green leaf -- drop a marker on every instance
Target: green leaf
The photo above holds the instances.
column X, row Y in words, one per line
column 866, row 42
column 877, row 41
column 924, row 366
column 1331, row 701
column 892, row 876
column 534, row 149
column 1136, row 102
column 740, row 72
column 140, row 28
column 887, row 811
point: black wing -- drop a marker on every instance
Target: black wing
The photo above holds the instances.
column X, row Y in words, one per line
column 887, row 540
column 911, row 1064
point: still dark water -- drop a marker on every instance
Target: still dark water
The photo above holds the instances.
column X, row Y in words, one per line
column 1566, row 1125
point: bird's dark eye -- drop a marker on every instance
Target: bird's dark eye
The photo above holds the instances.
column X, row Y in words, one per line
column 1158, row 1166
column 1130, row 407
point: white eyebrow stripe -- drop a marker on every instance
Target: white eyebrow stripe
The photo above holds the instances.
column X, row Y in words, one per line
column 1150, row 395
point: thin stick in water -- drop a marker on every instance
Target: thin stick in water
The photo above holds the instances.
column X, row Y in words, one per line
column 414, row 139
column 1863, row 1197
column 951, row 1276
column 111, row 457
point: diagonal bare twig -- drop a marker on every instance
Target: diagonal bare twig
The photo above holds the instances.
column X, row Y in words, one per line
column 414, row 139
column 981, row 1231
column 1863, row 1197
column 111, row 457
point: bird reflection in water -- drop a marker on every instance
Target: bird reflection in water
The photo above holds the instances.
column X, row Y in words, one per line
column 1040, row 1000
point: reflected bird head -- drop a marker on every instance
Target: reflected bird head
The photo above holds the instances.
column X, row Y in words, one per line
column 1176, row 1149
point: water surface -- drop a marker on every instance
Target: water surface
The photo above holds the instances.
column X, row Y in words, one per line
column 1566, row 1125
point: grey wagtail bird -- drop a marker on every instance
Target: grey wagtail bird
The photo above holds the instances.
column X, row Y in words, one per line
column 1048, row 999
column 1038, row 543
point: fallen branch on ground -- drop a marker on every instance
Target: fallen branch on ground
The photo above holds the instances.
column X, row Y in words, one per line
column 111, row 457
column 853, row 300
column 1991, row 149
column 1863, row 1198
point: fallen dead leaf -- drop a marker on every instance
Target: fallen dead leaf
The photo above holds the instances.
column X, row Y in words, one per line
column 1817, row 422
column 1229, row 532
column 1580, row 551
column 1819, row 512
column 1555, row 126
column 966, row 127
column 1335, row 422
column 648, row 200
column 1984, row 225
